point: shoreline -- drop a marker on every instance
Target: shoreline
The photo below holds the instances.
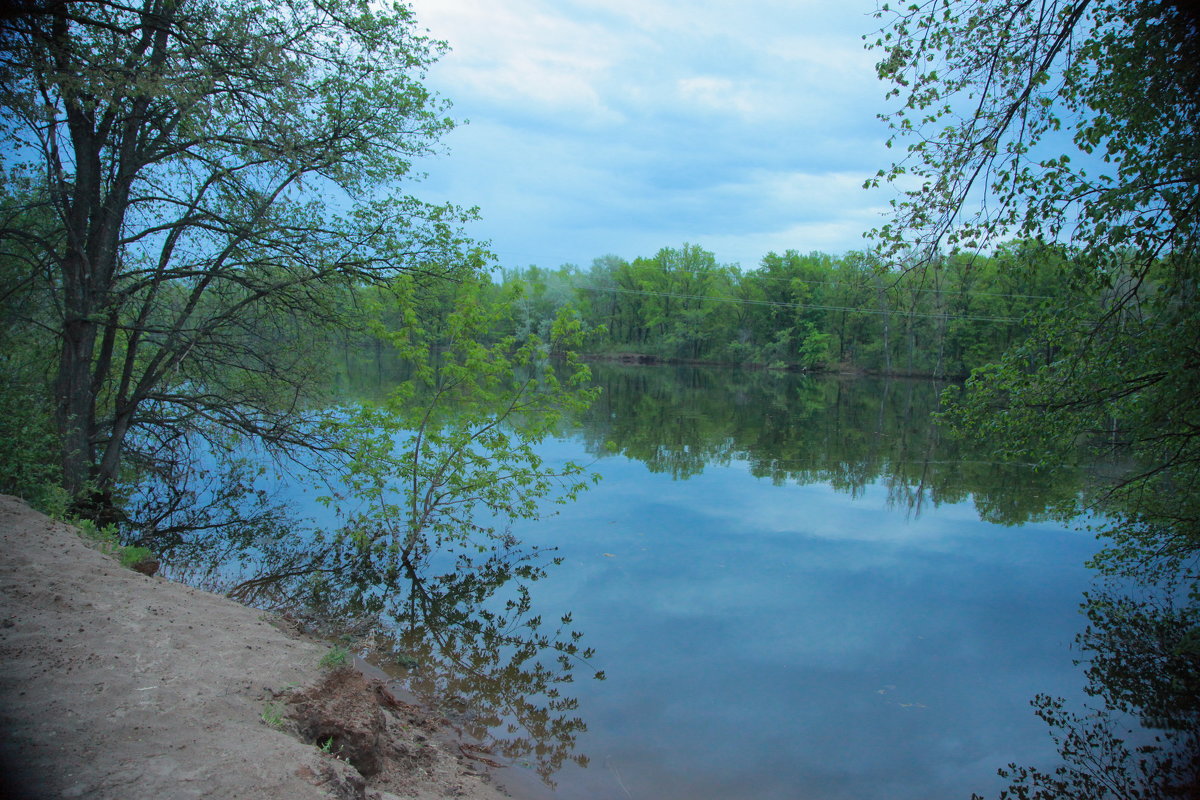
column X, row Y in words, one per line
column 847, row 370
column 118, row 685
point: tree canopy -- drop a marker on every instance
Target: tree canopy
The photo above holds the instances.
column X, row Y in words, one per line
column 1072, row 118
column 194, row 187
column 803, row 311
column 1075, row 122
column 1070, row 122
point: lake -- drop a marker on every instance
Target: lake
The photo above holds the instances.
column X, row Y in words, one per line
column 796, row 587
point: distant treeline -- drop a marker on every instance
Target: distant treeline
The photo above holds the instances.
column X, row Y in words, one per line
column 810, row 311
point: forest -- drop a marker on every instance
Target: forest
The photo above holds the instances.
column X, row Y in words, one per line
column 816, row 311
column 206, row 207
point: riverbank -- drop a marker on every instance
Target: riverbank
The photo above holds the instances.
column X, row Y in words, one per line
column 118, row 685
column 846, row 369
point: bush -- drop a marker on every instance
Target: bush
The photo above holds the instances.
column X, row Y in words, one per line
column 28, row 444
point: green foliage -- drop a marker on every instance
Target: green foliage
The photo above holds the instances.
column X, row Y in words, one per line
column 29, row 465
column 1076, row 122
column 272, row 715
column 450, row 456
column 1067, row 118
column 218, row 209
column 1080, row 122
column 808, row 312
column 105, row 536
column 337, row 656
column 132, row 555
column 107, row 539
column 1125, row 391
column 28, row 441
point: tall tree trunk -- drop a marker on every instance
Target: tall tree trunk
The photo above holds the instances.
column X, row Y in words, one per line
column 74, row 409
column 110, row 463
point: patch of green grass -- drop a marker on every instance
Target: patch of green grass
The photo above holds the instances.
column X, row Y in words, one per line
column 105, row 539
column 337, row 656
column 273, row 715
column 130, row 556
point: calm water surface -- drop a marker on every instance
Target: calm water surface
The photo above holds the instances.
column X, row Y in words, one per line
column 798, row 588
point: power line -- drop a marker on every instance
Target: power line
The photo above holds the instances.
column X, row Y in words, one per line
column 757, row 276
column 780, row 304
column 914, row 290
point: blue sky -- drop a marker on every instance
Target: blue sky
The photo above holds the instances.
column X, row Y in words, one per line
column 623, row 126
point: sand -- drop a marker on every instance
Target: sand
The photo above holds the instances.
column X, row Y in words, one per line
column 118, row 685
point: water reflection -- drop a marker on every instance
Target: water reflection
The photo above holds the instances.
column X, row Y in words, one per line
column 464, row 641
column 495, row 679
column 1143, row 738
column 497, row 671
column 793, row 582
column 781, row 641
column 848, row 433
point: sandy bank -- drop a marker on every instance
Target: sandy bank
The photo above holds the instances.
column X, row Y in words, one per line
column 116, row 685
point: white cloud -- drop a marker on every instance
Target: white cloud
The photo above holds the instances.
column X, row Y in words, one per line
column 717, row 93
column 520, row 52
column 620, row 125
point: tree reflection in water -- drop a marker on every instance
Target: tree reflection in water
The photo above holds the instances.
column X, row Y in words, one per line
column 503, row 669
column 1143, row 657
column 847, row 432
column 463, row 638
column 460, row 629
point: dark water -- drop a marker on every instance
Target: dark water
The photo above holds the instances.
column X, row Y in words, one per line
column 799, row 589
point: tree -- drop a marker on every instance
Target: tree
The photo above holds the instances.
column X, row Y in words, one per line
column 450, row 460
column 221, row 176
column 994, row 90
column 1075, row 123
column 438, row 471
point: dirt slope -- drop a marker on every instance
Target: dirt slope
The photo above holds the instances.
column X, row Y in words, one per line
column 116, row 685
